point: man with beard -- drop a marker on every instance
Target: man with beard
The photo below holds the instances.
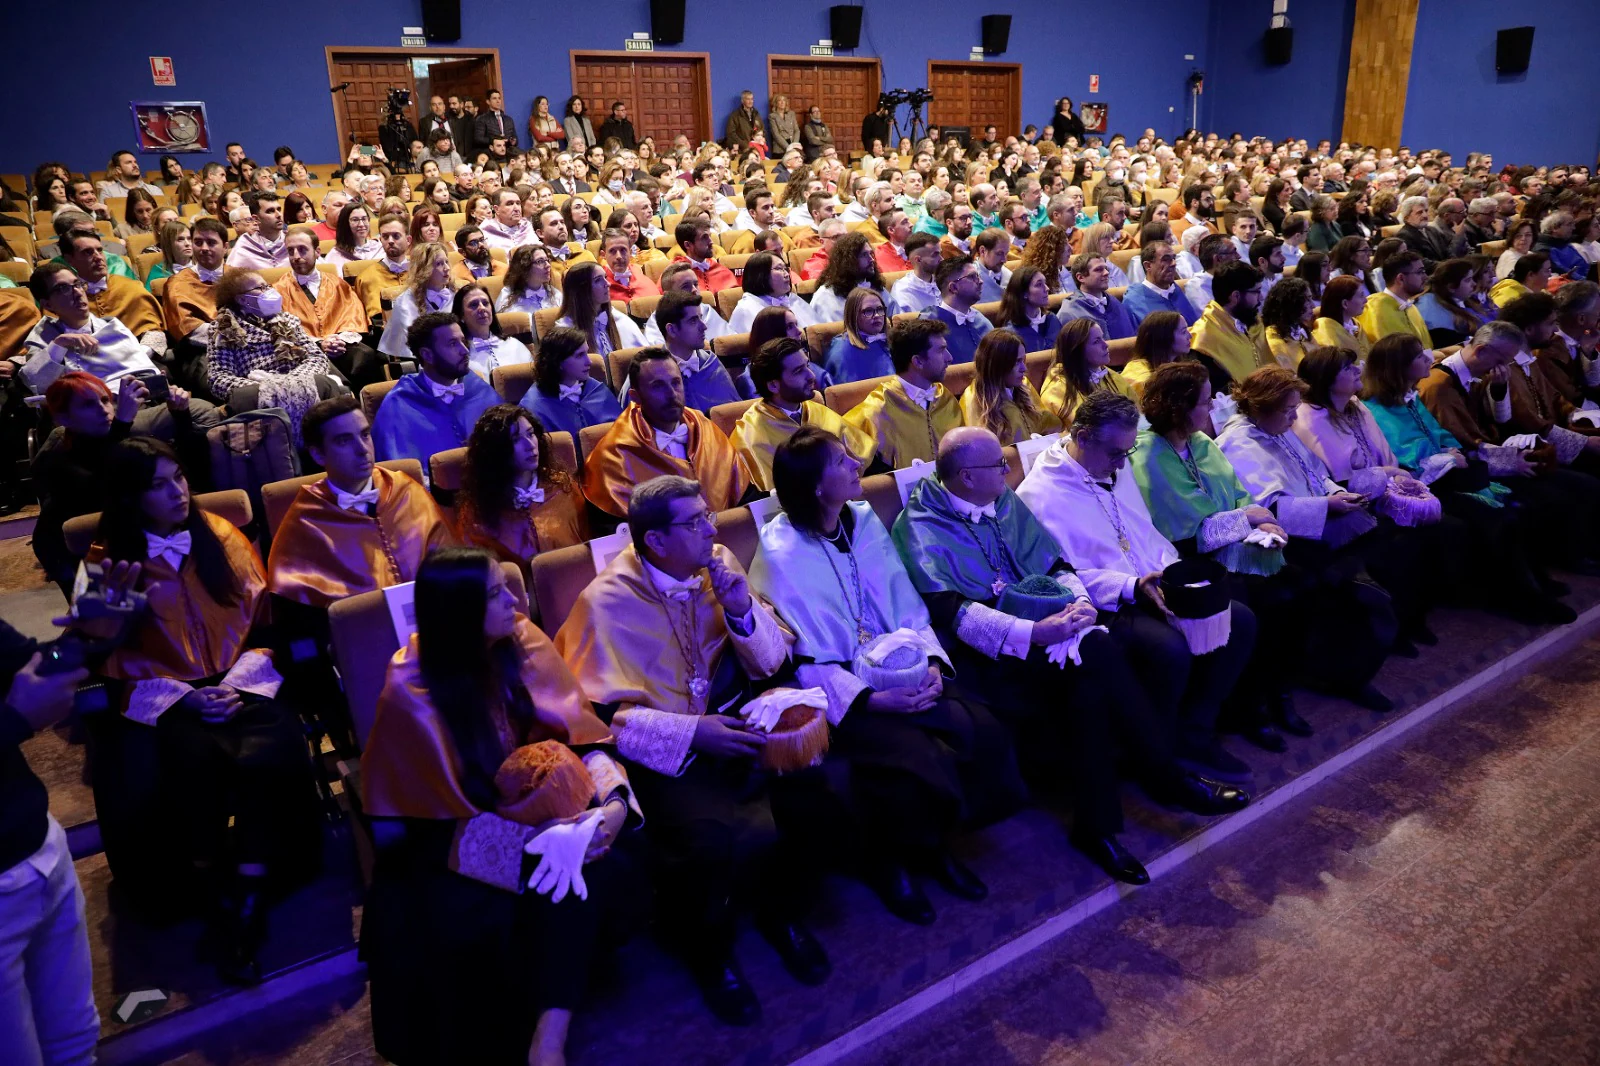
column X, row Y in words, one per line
column 1199, row 209
column 329, row 309
column 476, row 262
column 384, row 281
column 1014, row 220
column 957, row 243
column 434, row 410
column 782, row 374
column 1224, row 327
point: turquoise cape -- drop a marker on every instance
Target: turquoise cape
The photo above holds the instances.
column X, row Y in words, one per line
column 943, row 552
column 1178, row 504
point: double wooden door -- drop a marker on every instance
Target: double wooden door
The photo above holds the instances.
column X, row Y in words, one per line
column 359, row 109
column 976, row 95
column 846, row 90
column 667, row 94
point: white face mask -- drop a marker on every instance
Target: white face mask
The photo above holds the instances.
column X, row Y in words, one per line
column 1117, row 175
column 614, row 185
column 264, row 304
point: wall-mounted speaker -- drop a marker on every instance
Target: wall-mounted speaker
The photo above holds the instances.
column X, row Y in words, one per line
column 441, row 20
column 844, row 25
column 1511, row 50
column 996, row 34
column 666, row 21
column 1279, row 45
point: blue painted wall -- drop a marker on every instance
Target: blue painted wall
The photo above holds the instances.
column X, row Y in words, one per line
column 1457, row 102
column 263, row 76
column 1304, row 98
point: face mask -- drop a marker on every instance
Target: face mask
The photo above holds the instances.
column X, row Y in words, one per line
column 264, row 304
column 614, row 186
column 1117, row 175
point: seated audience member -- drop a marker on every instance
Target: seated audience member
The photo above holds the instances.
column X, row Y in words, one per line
column 1050, row 251
column 507, row 229
column 476, row 261
column 766, row 284
column 682, row 716
column 353, row 238
column 528, row 285
column 706, row 382
column 1530, row 274
column 1093, row 301
column 1394, row 310
column 1223, row 333
column 624, row 279
column 479, row 693
column 586, row 307
column 334, row 201
column 263, row 247
column 1331, row 530
column 959, row 238
column 1286, row 316
column 1518, row 583
column 964, row 525
column 989, row 251
column 861, row 350
column 384, row 281
column 917, row 291
column 960, row 286
column 261, row 356
column 1161, row 339
column 850, row 266
column 328, row 309
column 1000, row 398
column 72, row 337
column 1082, row 365
column 680, row 276
column 894, row 225
column 1158, row 290
column 428, row 286
column 925, row 757
column 1025, row 310
column 1537, row 403
column 177, row 252
column 659, row 433
column 1444, row 305
column 906, row 415
column 434, row 410
column 188, row 303
column 1431, row 242
column 699, row 250
column 1338, row 323
column 113, row 296
column 488, row 349
column 1568, row 358
column 564, row 397
column 123, row 177
column 785, row 384
column 196, row 673
column 138, row 214
column 760, row 213
column 816, row 264
column 69, row 471
column 1211, row 256
column 515, row 500
column 1095, row 512
column 1556, row 241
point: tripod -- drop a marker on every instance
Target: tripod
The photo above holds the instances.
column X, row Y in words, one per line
column 917, row 128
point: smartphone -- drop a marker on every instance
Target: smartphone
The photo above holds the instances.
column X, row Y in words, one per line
column 367, row 150
column 160, row 388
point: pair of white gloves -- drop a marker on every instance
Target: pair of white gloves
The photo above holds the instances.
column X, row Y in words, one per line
column 561, row 849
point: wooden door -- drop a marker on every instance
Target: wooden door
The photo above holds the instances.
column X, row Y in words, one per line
column 359, row 110
column 976, row 95
column 1380, row 63
column 667, row 93
column 460, row 77
column 846, row 90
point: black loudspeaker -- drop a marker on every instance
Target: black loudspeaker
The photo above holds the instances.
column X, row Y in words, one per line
column 1279, row 45
column 441, row 20
column 1511, row 50
column 666, row 21
column 844, row 26
column 996, row 34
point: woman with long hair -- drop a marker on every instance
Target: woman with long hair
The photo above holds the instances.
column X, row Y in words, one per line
column 138, row 215
column 1478, row 304
column 487, row 348
column 579, row 217
column 1355, row 214
column 576, row 125
column 1275, row 204
column 177, row 252
column 516, row 500
column 353, row 238
column 193, row 673
column 851, row 265
column 586, row 307
column 1082, row 365
column 1343, row 300
column 1025, row 309
column 1163, row 338
column 862, row 350
column 1444, row 306
column 544, row 127
column 427, row 286
column 484, row 751
column 767, row 284
column 299, row 210
column 1001, row 399
column 435, row 192
column 1352, row 257
column 1049, row 251
column 426, row 227
column 1286, row 318
column 1101, row 239
column 1520, row 237
column 1312, row 268
column 565, row 397
column 529, row 283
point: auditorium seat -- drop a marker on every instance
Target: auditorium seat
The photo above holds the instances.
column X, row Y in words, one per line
column 232, row 504
column 726, row 415
column 278, row 495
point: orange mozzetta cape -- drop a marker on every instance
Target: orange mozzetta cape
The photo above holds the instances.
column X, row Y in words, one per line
column 188, row 303
column 558, row 522
column 410, row 768
column 337, row 310
column 18, row 315
column 188, row 635
column 324, row 553
column 627, row 456
column 130, row 303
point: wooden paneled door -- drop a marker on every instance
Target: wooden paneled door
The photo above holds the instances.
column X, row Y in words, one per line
column 846, row 90
column 976, row 95
column 667, row 93
column 1380, row 63
column 359, row 109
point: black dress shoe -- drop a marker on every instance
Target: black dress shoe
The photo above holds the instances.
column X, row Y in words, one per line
column 1117, row 861
column 903, row 896
column 957, row 880
column 1213, row 760
column 1201, row 795
column 1370, row 698
column 1288, row 718
column 1265, row 736
column 802, row 956
column 243, row 931
column 726, row 991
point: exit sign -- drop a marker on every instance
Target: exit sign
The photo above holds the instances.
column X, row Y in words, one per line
column 413, row 42
column 631, row 45
column 822, row 49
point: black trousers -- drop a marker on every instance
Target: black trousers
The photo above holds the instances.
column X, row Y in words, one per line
column 1506, row 537
column 1353, row 618
column 1189, row 688
column 1282, row 604
column 1562, row 510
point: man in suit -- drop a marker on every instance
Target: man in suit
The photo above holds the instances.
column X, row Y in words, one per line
column 461, row 128
column 437, row 118
column 566, row 183
column 494, row 123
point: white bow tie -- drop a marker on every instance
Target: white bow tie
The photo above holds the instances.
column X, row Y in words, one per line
column 98, row 287
column 170, row 549
column 208, row 276
column 397, row 268
column 348, row 501
column 979, row 514
column 447, row 393
column 677, row 436
column 529, row 496
column 570, row 392
column 921, row 397
column 681, row 590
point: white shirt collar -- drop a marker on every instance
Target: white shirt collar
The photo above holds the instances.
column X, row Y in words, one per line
column 210, row 277
column 970, row 511
column 350, row 501
column 311, row 282
column 1404, row 304
column 1165, row 293
column 1096, row 302
column 964, row 318
column 670, row 587
column 98, row 287
column 1463, row 373
column 923, row 398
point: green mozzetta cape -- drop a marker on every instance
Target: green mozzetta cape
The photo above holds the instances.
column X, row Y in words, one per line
column 944, row 552
column 1178, row 505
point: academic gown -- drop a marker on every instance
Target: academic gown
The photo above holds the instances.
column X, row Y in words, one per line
column 413, row 423
column 901, row 431
column 596, row 405
column 557, row 521
column 627, row 457
column 764, row 426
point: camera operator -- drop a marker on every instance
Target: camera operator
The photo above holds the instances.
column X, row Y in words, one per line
column 397, row 132
column 47, row 1011
column 875, row 127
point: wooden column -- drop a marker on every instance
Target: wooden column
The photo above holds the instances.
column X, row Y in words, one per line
column 1380, row 65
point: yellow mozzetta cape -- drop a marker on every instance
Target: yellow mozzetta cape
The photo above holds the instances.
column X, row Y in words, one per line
column 901, row 431
column 1062, row 400
column 1018, row 426
column 1218, row 335
column 763, row 427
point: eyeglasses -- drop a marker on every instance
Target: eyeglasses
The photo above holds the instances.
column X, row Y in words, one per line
column 68, row 286
column 707, row 517
column 1004, row 466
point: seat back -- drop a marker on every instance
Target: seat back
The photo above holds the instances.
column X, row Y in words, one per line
column 958, row 377
column 737, row 531
column 883, row 493
column 559, row 578
column 989, row 309
column 543, row 319
column 642, row 307
column 727, row 299
column 1039, row 366
column 372, row 397
column 621, row 361
column 518, row 324
column 732, row 346
column 589, row 436
column 820, row 336
column 842, row 398
column 726, row 415
column 277, row 496
column 232, row 504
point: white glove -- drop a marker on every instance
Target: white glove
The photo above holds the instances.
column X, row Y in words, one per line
column 561, row 849
column 1522, row 441
column 764, row 711
column 1265, row 539
column 1070, row 648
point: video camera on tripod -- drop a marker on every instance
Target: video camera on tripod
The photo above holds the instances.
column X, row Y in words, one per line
column 397, row 132
column 892, row 100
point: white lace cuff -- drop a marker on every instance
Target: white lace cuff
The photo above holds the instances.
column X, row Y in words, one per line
column 763, row 651
column 1221, row 529
column 255, row 674
column 151, row 698
column 1568, row 444
column 993, row 633
column 842, row 687
column 1501, row 461
column 611, row 780
column 1108, row 589
column 655, row 739
column 488, row 848
column 156, row 341
column 1500, row 409
column 1302, row 516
